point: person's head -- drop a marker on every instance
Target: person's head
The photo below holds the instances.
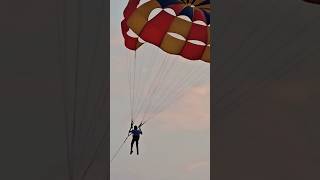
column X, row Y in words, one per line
column 135, row 127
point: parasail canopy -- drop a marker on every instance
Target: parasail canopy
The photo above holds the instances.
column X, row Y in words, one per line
column 179, row 27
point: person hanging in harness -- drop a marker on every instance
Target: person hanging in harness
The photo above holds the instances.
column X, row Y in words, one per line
column 136, row 132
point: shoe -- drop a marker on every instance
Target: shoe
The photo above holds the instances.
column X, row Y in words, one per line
column 131, row 152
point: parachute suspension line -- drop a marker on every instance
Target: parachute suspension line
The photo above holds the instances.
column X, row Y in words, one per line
column 180, row 86
column 153, row 84
column 156, row 67
column 187, row 80
column 193, row 76
column 163, row 73
column 119, row 149
column 177, row 83
column 148, row 78
column 158, row 88
column 129, row 61
column 151, row 88
column 138, row 91
column 134, row 84
column 121, row 145
column 177, row 95
column 129, row 84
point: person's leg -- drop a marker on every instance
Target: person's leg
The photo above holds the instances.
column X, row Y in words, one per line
column 132, row 141
column 137, row 146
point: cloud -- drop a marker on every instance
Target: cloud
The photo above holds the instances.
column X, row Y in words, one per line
column 191, row 112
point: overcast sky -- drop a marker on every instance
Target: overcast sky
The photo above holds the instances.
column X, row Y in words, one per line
column 176, row 143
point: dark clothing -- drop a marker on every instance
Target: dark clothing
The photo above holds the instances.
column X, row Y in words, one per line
column 136, row 132
column 135, row 139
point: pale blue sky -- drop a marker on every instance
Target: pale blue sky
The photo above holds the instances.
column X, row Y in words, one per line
column 176, row 143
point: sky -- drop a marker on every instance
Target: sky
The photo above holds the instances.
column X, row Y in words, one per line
column 176, row 143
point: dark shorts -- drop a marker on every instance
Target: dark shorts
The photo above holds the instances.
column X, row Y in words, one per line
column 135, row 138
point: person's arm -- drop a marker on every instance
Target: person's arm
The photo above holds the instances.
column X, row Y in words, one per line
column 140, row 127
column 131, row 126
column 130, row 132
